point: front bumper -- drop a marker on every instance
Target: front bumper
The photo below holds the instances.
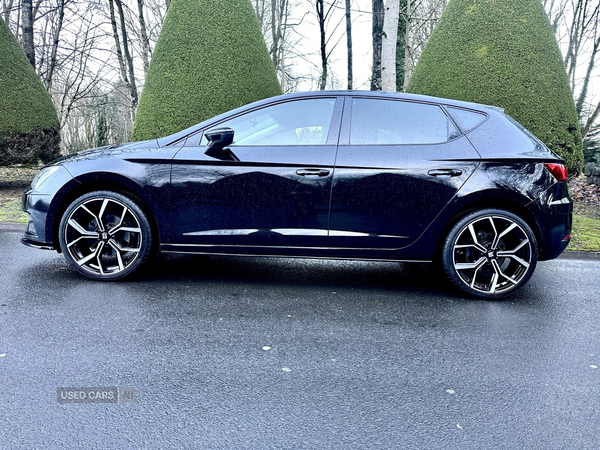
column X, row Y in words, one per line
column 37, row 202
column 30, row 243
column 36, row 205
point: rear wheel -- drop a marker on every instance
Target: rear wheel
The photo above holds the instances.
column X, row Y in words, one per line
column 490, row 253
column 105, row 235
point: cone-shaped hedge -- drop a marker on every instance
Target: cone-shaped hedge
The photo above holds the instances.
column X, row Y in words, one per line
column 210, row 57
column 503, row 53
column 29, row 128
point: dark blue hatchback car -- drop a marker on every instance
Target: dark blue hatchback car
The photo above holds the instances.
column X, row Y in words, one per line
column 352, row 175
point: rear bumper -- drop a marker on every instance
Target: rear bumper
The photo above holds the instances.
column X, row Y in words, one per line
column 557, row 222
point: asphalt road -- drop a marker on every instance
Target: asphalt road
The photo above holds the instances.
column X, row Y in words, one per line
column 362, row 355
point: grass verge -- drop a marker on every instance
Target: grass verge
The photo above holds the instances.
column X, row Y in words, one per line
column 11, row 212
column 585, row 235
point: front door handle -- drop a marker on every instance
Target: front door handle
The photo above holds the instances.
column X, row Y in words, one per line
column 445, row 173
column 315, row 173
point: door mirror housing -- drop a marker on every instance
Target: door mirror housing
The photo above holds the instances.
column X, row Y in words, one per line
column 218, row 140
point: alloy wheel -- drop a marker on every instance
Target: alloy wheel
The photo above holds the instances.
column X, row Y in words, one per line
column 492, row 254
column 103, row 236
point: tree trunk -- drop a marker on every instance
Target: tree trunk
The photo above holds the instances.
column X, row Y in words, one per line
column 275, row 33
column 145, row 40
column 55, row 41
column 407, row 50
column 128, row 57
column 378, row 16
column 6, row 9
column 283, row 20
column 27, row 30
column 388, row 46
column 113, row 22
column 321, row 18
column 401, row 48
column 349, row 40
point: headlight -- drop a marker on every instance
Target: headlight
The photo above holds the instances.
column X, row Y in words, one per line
column 43, row 176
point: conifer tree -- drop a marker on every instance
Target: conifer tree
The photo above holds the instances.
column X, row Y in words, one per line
column 210, row 57
column 29, row 127
column 504, row 53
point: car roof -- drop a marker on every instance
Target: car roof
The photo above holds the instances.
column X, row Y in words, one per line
column 313, row 94
column 398, row 95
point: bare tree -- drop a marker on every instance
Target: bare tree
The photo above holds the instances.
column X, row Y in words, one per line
column 377, row 31
column 349, row 40
column 584, row 18
column 408, row 67
column 7, row 6
column 577, row 27
column 323, row 16
column 47, row 78
column 144, row 36
column 128, row 56
column 118, row 51
column 388, row 46
column 278, row 24
column 27, row 30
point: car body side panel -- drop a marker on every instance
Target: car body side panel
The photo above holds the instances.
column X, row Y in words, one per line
column 501, row 137
column 385, row 196
column 528, row 186
column 146, row 172
column 259, row 200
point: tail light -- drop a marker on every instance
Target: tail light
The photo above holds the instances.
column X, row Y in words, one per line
column 559, row 171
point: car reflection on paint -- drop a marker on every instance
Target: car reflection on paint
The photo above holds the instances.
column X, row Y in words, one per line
column 352, row 175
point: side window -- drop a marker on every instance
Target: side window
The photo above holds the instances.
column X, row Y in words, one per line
column 300, row 122
column 467, row 120
column 393, row 122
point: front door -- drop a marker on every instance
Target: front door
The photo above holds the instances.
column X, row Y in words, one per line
column 275, row 191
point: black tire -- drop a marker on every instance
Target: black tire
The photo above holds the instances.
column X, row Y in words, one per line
column 489, row 253
column 105, row 235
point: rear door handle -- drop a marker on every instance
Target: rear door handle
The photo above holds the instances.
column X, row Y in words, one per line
column 445, row 173
column 314, row 173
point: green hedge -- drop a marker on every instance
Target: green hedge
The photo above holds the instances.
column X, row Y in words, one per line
column 29, row 128
column 503, row 53
column 210, row 57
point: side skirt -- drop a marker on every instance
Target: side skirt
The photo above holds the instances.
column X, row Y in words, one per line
column 289, row 252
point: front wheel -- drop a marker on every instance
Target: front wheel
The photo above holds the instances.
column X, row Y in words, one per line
column 105, row 235
column 490, row 253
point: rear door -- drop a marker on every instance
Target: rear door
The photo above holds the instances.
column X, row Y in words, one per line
column 399, row 163
column 278, row 190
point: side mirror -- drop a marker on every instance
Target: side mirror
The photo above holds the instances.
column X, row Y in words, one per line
column 218, row 139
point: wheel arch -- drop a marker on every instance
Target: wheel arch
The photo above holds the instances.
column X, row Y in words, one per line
column 509, row 204
column 122, row 186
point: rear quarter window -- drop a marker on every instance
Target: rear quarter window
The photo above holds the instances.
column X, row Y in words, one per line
column 466, row 119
